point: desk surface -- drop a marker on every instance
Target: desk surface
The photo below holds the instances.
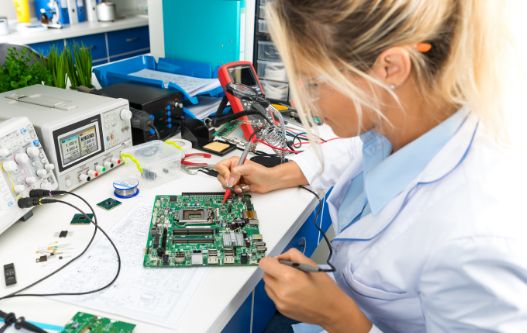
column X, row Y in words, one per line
column 281, row 214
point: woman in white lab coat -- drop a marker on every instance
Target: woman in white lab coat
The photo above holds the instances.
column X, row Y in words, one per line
column 427, row 204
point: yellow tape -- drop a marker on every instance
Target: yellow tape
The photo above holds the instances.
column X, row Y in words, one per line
column 133, row 159
column 174, row 144
column 280, row 107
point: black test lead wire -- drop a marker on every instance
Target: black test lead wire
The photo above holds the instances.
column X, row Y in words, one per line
column 330, row 248
column 36, row 199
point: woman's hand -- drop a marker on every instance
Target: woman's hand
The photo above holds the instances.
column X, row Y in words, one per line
column 310, row 297
column 258, row 178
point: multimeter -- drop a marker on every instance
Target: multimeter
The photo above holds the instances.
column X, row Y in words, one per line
column 240, row 73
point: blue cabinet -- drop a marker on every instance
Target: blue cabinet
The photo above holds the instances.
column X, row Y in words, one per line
column 128, row 41
column 241, row 321
column 264, row 308
column 45, row 47
column 96, row 43
column 105, row 47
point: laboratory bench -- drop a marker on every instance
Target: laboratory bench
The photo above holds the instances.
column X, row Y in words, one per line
column 228, row 299
column 108, row 41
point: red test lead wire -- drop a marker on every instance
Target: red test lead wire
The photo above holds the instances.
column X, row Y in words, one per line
column 226, row 196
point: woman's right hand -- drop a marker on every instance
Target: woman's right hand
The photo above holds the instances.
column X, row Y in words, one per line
column 249, row 177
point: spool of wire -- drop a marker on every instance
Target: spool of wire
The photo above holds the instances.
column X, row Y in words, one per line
column 125, row 189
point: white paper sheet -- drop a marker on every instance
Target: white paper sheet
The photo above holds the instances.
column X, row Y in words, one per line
column 156, row 296
column 206, row 106
column 192, row 85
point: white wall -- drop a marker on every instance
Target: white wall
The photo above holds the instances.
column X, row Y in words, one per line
column 7, row 9
column 247, row 36
column 131, row 7
column 124, row 8
column 155, row 26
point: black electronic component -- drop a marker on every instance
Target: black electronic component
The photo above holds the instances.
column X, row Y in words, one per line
column 193, row 240
column 9, row 274
column 244, row 258
column 192, row 231
column 164, row 238
column 63, row 234
column 268, row 160
column 164, row 107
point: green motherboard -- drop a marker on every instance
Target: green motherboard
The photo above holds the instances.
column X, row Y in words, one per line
column 196, row 229
column 88, row 323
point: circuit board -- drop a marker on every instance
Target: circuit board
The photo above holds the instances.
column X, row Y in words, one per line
column 196, row 229
column 109, row 203
column 85, row 322
column 227, row 128
column 81, row 219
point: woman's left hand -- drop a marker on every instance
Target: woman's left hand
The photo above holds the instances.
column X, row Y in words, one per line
column 310, row 297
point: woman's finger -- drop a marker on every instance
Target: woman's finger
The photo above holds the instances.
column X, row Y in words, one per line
column 296, row 256
column 272, row 267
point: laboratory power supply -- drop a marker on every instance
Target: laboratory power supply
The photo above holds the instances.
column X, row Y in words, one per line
column 24, row 167
column 82, row 134
column 162, row 109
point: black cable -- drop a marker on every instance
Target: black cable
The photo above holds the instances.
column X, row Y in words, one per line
column 15, row 294
column 218, row 121
column 297, row 137
column 95, row 222
column 330, row 248
column 19, row 323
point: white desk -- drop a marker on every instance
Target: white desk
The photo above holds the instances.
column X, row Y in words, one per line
column 281, row 215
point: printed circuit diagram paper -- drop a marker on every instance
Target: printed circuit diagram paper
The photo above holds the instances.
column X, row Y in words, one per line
column 156, row 296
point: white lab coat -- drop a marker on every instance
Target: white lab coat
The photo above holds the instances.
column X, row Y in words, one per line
column 449, row 253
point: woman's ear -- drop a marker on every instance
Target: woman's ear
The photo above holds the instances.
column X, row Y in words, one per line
column 393, row 66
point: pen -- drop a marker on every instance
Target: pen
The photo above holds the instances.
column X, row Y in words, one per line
column 303, row 267
column 242, row 159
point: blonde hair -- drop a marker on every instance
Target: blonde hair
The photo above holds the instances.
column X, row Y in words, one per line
column 469, row 41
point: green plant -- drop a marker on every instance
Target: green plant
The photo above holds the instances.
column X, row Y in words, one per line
column 57, row 65
column 83, row 63
column 70, row 65
column 78, row 62
column 23, row 68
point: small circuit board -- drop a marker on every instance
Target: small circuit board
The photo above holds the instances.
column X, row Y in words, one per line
column 81, row 219
column 109, row 203
column 196, row 229
column 85, row 322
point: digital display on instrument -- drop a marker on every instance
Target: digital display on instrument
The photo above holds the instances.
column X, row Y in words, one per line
column 79, row 144
column 243, row 75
